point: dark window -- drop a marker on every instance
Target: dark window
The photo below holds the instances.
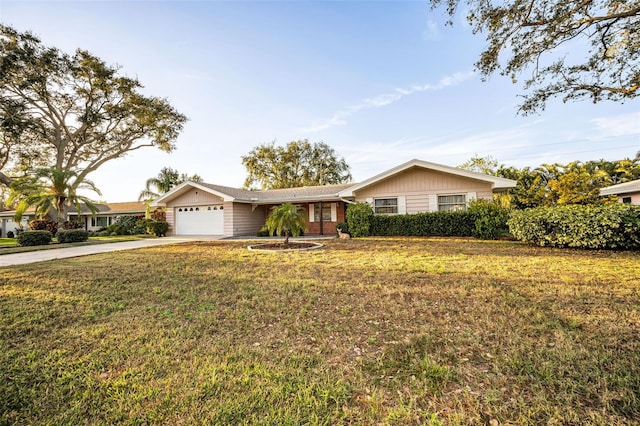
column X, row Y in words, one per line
column 326, row 212
column 451, row 202
column 626, row 200
column 385, row 206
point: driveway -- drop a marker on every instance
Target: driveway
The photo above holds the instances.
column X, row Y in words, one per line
column 61, row 253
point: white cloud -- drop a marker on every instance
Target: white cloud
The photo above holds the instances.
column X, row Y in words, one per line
column 339, row 118
column 620, row 125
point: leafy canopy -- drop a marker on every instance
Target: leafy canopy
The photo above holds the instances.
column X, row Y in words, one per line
column 299, row 163
column 166, row 180
column 51, row 189
column 287, row 219
column 72, row 112
column 574, row 48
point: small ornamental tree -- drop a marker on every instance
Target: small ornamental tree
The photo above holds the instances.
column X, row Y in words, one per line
column 286, row 219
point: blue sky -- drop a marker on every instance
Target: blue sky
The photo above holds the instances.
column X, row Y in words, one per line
column 380, row 82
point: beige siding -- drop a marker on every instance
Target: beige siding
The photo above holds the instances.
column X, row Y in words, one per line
column 635, row 197
column 195, row 197
column 418, row 184
column 242, row 219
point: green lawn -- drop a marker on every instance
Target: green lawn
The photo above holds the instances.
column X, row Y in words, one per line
column 365, row 331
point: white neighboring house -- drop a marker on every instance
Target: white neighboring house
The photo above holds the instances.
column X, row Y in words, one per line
column 106, row 215
column 628, row 192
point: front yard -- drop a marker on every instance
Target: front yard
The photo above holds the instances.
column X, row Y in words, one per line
column 371, row 331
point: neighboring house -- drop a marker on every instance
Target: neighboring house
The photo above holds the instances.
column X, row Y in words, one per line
column 628, row 192
column 106, row 215
column 413, row 187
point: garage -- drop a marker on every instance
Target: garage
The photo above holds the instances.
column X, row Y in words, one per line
column 200, row 220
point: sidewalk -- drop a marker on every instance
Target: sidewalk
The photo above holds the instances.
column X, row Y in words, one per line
column 61, row 253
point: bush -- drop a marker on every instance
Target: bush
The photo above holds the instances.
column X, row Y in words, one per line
column 72, row 235
column 35, row 238
column 359, row 217
column 159, row 215
column 615, row 226
column 490, row 219
column 44, row 225
column 444, row 224
column 73, row 224
column 342, row 227
column 128, row 225
column 10, row 234
column 157, row 228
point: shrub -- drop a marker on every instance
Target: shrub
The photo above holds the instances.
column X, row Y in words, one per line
column 157, row 228
column 359, row 217
column 444, row 224
column 159, row 215
column 128, row 225
column 44, row 225
column 73, row 224
column 72, row 235
column 593, row 227
column 342, row 227
column 35, row 238
column 490, row 219
column 10, row 234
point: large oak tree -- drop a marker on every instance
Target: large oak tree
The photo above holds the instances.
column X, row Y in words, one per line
column 571, row 48
column 72, row 112
column 299, row 163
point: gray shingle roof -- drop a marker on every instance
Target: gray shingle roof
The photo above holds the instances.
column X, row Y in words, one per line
column 292, row 194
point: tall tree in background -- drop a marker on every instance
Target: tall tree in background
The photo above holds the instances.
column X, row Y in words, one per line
column 166, row 180
column 487, row 165
column 72, row 113
column 299, row 163
column 603, row 62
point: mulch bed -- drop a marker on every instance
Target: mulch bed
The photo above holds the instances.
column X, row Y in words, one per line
column 281, row 246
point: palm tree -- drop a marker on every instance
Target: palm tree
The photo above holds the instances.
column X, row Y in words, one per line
column 163, row 182
column 51, row 189
column 287, row 219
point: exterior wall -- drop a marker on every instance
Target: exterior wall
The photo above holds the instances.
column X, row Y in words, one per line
column 195, row 197
column 8, row 224
column 635, row 197
column 418, row 185
column 242, row 219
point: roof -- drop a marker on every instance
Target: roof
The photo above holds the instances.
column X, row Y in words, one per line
column 323, row 192
column 496, row 182
column 621, row 188
column 267, row 196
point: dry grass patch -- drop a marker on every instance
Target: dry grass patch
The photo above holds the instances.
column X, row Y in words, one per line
column 391, row 331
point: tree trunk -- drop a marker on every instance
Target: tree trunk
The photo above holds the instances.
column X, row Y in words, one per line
column 286, row 238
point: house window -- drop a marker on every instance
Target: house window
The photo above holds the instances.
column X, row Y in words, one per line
column 626, row 200
column 385, row 206
column 454, row 203
column 100, row 221
column 326, row 212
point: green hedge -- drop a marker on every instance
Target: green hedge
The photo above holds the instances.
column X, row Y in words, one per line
column 359, row 219
column 34, row 238
column 157, row 228
column 615, row 226
column 72, row 235
column 445, row 224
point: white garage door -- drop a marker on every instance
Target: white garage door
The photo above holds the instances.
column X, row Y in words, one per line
column 200, row 220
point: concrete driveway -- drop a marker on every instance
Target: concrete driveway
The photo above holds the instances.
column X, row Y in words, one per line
column 61, row 253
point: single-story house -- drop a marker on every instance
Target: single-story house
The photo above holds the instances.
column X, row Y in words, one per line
column 415, row 186
column 628, row 192
column 106, row 215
